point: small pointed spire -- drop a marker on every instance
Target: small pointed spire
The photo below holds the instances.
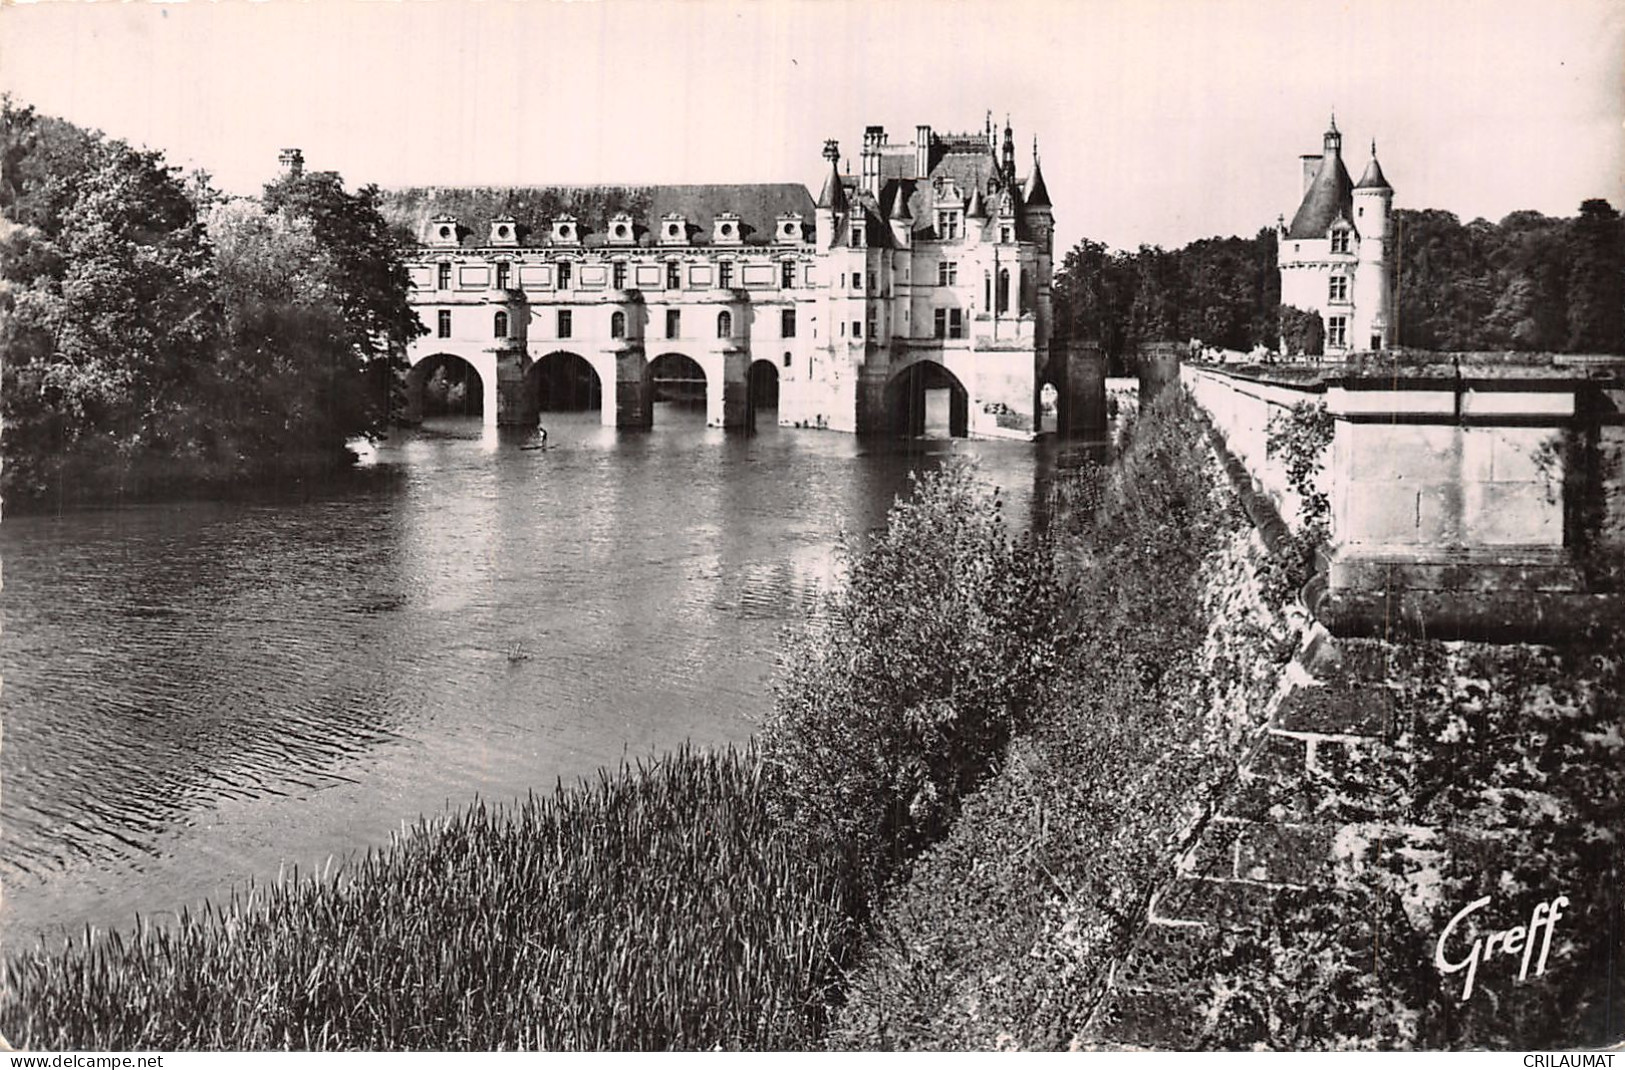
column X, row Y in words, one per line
column 834, row 193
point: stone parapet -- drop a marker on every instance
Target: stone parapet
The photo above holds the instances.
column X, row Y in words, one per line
column 1468, row 495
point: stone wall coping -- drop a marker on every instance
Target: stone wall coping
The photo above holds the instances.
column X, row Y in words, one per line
column 1405, row 370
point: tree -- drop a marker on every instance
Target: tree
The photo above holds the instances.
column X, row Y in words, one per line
column 1596, row 312
column 367, row 273
column 110, row 306
column 1302, row 332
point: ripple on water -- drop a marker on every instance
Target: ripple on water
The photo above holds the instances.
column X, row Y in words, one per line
column 198, row 694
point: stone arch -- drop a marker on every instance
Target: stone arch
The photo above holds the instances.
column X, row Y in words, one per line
column 678, row 380
column 926, row 399
column 761, row 391
column 562, row 381
column 446, row 384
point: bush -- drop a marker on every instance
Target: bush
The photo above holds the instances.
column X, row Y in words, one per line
column 1004, row 930
column 903, row 694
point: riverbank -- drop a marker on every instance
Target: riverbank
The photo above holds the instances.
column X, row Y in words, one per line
column 79, row 483
column 730, row 911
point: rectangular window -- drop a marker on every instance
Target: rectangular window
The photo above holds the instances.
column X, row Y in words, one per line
column 725, row 275
column 942, row 323
column 857, row 235
column 1340, row 288
column 444, row 323
column 502, row 274
column 674, row 323
column 564, row 323
column 1006, row 235
column 1337, row 328
column 619, row 273
column 443, row 277
column 857, row 329
column 947, row 273
column 950, row 226
column 787, row 323
column 1340, row 241
column 857, row 280
column 787, row 274
column 564, row 274
column 956, row 323
column 674, row 275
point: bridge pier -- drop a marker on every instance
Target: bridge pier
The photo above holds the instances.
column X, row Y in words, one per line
column 629, row 396
column 1078, row 372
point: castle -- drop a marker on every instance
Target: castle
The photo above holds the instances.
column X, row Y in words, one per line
column 912, row 296
column 1334, row 254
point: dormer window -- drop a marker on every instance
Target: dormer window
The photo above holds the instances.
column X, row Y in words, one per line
column 621, row 231
column 673, row 229
column 1007, row 233
column 443, row 230
column 565, row 231
column 857, row 234
column 503, row 271
column 1340, row 240
column 725, row 230
column 948, row 225
column 504, row 231
column 788, row 228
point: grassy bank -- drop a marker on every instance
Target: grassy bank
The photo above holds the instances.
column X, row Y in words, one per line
column 656, row 908
column 973, row 720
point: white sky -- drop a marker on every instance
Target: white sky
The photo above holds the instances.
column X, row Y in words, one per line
column 1159, row 121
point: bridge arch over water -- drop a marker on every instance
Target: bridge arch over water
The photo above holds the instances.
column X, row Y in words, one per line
column 927, row 398
column 447, row 383
column 761, row 392
column 563, row 381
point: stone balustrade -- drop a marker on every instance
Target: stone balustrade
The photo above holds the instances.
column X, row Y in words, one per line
column 1470, row 494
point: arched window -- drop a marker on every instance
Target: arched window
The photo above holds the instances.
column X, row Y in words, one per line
column 725, row 324
column 499, row 325
column 617, row 324
column 1004, row 290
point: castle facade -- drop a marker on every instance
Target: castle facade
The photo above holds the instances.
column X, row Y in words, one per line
column 1334, row 255
column 915, row 292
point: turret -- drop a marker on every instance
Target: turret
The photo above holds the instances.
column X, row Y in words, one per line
column 1373, row 298
column 292, row 161
column 901, row 219
column 832, row 200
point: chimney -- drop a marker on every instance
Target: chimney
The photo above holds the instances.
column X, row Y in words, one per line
column 922, row 151
column 873, row 138
column 292, row 161
column 1311, row 168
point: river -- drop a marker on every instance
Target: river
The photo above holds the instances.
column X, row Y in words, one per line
column 204, row 694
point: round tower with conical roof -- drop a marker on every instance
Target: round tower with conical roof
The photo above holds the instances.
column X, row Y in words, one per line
column 1373, row 326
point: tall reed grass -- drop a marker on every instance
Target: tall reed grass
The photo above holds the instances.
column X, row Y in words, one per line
column 657, row 907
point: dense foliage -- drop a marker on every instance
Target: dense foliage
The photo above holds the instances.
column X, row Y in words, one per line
column 1530, row 282
column 934, row 653
column 159, row 337
column 1003, row 934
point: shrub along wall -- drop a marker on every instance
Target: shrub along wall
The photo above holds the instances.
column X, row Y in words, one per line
column 1005, row 933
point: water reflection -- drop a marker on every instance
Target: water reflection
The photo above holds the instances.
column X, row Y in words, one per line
column 199, row 694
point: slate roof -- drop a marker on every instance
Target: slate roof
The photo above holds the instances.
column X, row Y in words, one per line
column 1330, row 195
column 1037, row 192
column 534, row 208
column 1373, row 179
